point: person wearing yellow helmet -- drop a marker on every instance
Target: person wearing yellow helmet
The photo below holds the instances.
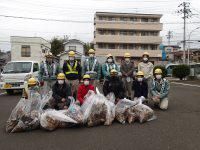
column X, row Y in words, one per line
column 127, row 70
column 48, row 72
column 140, row 86
column 72, row 70
column 61, row 93
column 114, row 84
column 84, row 88
column 108, row 66
column 92, row 67
column 31, row 89
column 160, row 89
column 147, row 68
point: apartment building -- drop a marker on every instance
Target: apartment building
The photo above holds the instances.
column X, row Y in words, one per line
column 118, row 33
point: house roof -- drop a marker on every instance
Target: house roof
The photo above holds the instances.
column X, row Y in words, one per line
column 73, row 40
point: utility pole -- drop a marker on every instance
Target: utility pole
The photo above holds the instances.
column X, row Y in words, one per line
column 185, row 10
column 169, row 36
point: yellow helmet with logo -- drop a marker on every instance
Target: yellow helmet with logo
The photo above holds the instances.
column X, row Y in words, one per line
column 127, row 55
column 140, row 73
column 32, row 81
column 91, row 51
column 61, row 76
column 158, row 71
column 71, row 53
column 109, row 55
column 86, row 76
column 49, row 55
column 146, row 53
column 113, row 71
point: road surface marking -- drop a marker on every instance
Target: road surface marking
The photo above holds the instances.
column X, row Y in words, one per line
column 194, row 85
column 3, row 93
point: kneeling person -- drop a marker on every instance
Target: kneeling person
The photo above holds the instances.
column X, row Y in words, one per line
column 84, row 88
column 114, row 84
column 160, row 90
column 61, row 92
column 140, row 86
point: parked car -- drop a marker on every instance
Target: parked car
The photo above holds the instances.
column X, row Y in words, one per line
column 16, row 73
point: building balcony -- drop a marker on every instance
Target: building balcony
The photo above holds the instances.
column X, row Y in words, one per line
column 145, row 26
column 128, row 39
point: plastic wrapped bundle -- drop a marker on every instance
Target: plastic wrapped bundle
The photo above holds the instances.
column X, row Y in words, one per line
column 143, row 112
column 26, row 114
column 122, row 109
column 131, row 116
column 52, row 119
column 97, row 110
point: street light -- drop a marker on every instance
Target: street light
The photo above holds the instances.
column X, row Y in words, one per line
column 189, row 44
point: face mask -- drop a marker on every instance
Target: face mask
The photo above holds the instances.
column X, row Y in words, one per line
column 60, row 81
column 110, row 60
column 158, row 76
column 71, row 58
column 140, row 79
column 145, row 59
column 91, row 55
column 86, row 83
column 127, row 60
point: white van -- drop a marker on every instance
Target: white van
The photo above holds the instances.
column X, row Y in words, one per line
column 16, row 73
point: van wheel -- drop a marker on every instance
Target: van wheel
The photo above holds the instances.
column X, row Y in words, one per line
column 10, row 92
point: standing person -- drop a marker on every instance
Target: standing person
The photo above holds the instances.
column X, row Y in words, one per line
column 115, row 85
column 147, row 68
column 127, row 69
column 140, row 86
column 92, row 68
column 160, row 90
column 72, row 71
column 84, row 88
column 108, row 66
column 48, row 72
column 61, row 92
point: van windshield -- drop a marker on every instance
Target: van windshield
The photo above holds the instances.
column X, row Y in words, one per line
column 17, row 67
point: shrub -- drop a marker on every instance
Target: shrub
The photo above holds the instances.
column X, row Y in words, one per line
column 181, row 71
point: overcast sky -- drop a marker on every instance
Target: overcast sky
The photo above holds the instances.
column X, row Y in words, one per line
column 83, row 11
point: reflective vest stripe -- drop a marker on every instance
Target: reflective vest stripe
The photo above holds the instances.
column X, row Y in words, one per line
column 72, row 70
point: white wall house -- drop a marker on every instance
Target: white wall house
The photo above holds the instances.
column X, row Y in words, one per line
column 29, row 48
column 75, row 45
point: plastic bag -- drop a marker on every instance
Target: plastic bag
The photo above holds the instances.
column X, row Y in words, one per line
column 25, row 116
column 143, row 112
column 122, row 108
column 74, row 112
column 51, row 119
column 97, row 109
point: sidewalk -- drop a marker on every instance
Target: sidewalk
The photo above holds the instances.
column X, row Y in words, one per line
column 187, row 82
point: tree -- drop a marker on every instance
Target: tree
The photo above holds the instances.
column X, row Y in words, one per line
column 57, row 46
column 181, row 71
column 88, row 46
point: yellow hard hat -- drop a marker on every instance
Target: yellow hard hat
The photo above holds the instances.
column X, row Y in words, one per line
column 61, row 76
column 49, row 54
column 113, row 71
column 109, row 55
column 158, row 71
column 91, row 51
column 32, row 81
column 127, row 55
column 71, row 53
column 140, row 73
column 145, row 53
column 86, row 76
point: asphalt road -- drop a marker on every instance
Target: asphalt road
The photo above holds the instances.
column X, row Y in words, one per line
column 177, row 128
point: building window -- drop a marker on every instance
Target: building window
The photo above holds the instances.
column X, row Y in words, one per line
column 112, row 32
column 123, row 33
column 123, row 19
column 25, row 51
column 72, row 48
column 144, row 20
column 111, row 46
column 144, row 47
column 144, row 33
column 153, row 47
column 134, row 19
column 153, row 20
column 111, row 18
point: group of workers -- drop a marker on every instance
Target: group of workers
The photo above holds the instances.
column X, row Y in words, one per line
column 76, row 80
